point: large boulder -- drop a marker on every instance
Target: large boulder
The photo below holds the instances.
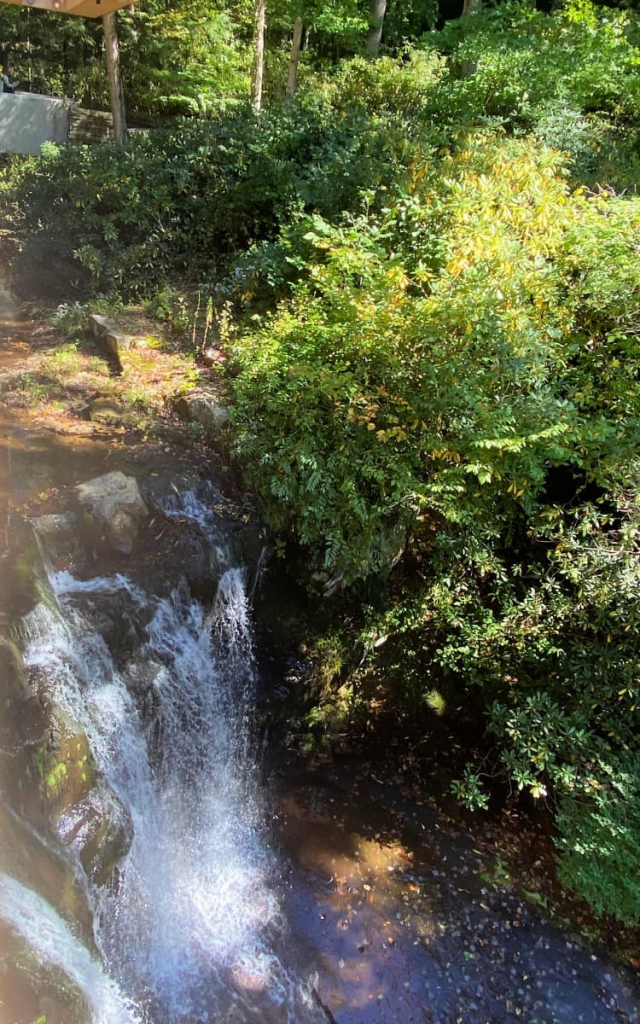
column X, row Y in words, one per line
column 33, row 989
column 204, row 407
column 98, row 830
column 59, row 542
column 116, row 504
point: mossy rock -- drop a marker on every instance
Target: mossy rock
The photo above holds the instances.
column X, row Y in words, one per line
column 66, row 769
column 33, row 992
column 107, row 833
column 37, row 865
column 51, row 779
column 83, row 811
column 21, row 716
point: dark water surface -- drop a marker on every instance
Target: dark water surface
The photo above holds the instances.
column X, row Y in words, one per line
column 388, row 897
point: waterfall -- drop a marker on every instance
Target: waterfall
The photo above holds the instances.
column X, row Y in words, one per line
column 190, row 924
column 51, row 937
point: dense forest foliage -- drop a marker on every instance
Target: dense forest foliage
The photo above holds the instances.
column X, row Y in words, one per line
column 425, row 272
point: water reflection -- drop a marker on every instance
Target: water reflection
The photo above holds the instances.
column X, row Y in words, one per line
column 388, row 899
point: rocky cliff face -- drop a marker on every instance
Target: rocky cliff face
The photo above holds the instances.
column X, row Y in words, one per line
column 63, row 828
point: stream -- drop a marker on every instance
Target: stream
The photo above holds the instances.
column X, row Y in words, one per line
column 154, row 867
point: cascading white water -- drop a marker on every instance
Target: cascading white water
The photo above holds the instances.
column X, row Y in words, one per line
column 37, row 922
column 194, row 896
column 188, row 924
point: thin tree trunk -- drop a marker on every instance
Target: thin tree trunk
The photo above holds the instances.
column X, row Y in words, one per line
column 258, row 57
column 293, row 63
column 377, row 11
column 5, row 517
column 469, row 68
column 115, row 78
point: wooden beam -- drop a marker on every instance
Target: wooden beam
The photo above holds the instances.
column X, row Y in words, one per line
column 81, row 8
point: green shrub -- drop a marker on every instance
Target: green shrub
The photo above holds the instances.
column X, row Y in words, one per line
column 461, row 367
column 572, row 77
column 523, row 59
column 397, row 86
column 381, row 375
column 183, row 202
column 600, row 844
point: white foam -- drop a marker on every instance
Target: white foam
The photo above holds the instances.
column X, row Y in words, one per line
column 64, row 583
column 194, row 899
column 37, row 922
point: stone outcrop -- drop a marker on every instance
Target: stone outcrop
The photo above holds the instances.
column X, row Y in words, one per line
column 33, row 993
column 117, row 506
column 203, row 406
column 98, row 830
column 213, row 356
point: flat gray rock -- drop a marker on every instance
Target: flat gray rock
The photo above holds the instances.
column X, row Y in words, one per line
column 109, row 334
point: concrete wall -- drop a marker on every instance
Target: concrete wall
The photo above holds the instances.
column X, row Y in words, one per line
column 27, row 120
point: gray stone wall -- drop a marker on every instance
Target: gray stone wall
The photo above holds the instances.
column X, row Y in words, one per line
column 28, row 120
